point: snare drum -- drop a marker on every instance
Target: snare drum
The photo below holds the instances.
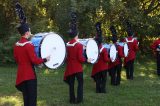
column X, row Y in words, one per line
column 125, row 48
column 50, row 44
column 111, row 49
column 91, row 49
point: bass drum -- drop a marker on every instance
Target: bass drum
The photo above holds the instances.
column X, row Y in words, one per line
column 50, row 44
column 125, row 48
column 111, row 49
column 90, row 49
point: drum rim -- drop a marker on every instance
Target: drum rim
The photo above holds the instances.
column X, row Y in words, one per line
column 124, row 51
column 65, row 51
column 116, row 53
column 98, row 51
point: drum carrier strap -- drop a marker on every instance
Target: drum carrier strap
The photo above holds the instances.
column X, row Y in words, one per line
column 101, row 49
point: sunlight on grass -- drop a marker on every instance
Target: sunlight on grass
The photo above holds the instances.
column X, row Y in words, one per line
column 56, row 72
column 152, row 76
column 46, row 71
column 123, row 75
column 10, row 101
column 142, row 68
column 41, row 103
column 84, row 67
column 142, row 74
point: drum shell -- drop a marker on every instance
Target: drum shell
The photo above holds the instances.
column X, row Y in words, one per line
column 45, row 44
column 90, row 49
column 108, row 48
column 125, row 48
column 36, row 41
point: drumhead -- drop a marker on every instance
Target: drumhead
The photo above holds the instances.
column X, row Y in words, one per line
column 113, row 53
column 126, row 50
column 53, row 45
column 92, row 50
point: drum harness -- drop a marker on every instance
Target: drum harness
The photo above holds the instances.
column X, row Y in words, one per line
column 101, row 49
column 128, row 41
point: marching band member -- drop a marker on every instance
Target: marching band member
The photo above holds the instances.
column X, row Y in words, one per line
column 116, row 66
column 99, row 70
column 133, row 48
column 26, row 58
column 156, row 48
column 74, row 62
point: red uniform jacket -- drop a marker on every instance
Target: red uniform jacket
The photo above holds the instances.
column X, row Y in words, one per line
column 155, row 44
column 25, row 57
column 119, row 56
column 74, row 58
column 101, row 64
column 133, row 47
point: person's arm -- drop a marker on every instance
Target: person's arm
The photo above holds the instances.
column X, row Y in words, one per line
column 120, row 51
column 136, row 45
column 14, row 54
column 105, row 55
column 81, row 58
column 32, row 55
column 153, row 46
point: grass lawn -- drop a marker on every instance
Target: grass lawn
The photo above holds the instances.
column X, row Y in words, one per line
column 144, row 90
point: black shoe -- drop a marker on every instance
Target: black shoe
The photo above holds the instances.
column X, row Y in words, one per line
column 72, row 101
column 158, row 74
column 131, row 78
column 113, row 84
column 98, row 91
column 128, row 77
column 118, row 83
column 103, row 91
column 79, row 101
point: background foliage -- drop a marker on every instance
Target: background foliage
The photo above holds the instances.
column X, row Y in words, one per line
column 53, row 15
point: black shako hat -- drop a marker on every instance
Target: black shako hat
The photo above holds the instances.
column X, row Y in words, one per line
column 114, row 34
column 23, row 28
column 73, row 30
column 129, row 29
column 98, row 37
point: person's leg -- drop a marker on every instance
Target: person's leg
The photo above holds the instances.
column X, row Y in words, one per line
column 103, row 83
column 118, row 79
column 131, row 69
column 158, row 64
column 97, row 80
column 79, row 77
column 71, row 88
column 113, row 76
column 23, row 88
column 128, row 70
column 32, row 92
